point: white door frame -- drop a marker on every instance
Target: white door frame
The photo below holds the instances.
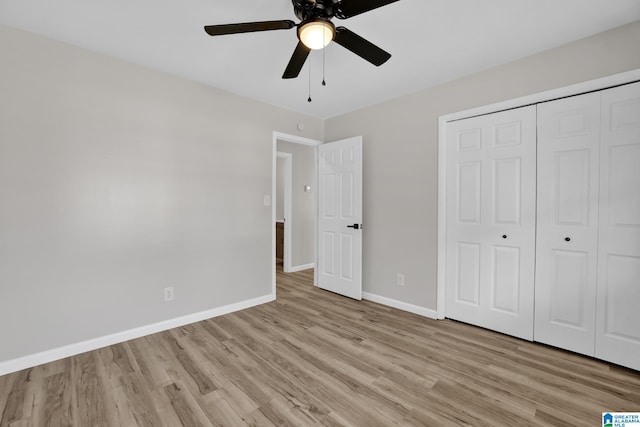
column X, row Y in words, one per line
column 576, row 89
column 279, row 136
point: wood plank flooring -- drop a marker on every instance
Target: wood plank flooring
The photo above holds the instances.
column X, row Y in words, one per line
column 314, row 358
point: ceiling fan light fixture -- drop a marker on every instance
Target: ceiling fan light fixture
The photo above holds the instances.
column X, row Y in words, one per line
column 316, row 34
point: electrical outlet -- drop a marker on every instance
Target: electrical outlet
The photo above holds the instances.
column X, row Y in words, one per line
column 168, row 294
column 400, row 279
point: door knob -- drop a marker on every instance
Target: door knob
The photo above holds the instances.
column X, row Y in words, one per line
column 567, row 239
column 354, row 226
column 504, row 236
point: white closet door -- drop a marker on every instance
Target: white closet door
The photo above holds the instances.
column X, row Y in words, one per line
column 491, row 221
column 618, row 314
column 567, row 233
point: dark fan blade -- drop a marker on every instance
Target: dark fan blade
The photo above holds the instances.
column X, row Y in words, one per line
column 349, row 8
column 296, row 62
column 248, row 27
column 361, row 47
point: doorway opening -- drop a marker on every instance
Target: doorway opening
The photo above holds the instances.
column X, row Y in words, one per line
column 294, row 210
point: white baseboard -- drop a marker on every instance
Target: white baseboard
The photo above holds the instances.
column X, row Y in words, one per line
column 301, row 267
column 421, row 311
column 32, row 360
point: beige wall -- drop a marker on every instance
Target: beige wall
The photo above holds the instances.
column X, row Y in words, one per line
column 303, row 205
column 117, row 181
column 400, row 153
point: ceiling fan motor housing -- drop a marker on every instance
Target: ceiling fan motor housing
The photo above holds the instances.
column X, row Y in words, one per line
column 306, row 9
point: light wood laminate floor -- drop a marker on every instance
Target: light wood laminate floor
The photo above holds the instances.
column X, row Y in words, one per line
column 315, row 358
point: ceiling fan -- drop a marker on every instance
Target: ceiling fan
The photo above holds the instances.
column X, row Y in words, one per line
column 316, row 31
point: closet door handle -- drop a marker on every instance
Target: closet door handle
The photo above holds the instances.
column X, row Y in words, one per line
column 567, row 239
column 504, row 236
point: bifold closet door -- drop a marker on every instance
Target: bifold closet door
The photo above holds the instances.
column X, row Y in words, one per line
column 618, row 314
column 567, row 223
column 491, row 221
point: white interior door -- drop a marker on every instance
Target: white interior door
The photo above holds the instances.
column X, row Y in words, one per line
column 567, row 234
column 491, row 169
column 618, row 289
column 340, row 217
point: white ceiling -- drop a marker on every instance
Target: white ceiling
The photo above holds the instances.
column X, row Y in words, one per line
column 432, row 41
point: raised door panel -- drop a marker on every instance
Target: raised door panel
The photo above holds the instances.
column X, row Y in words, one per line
column 622, row 293
column 328, row 248
column 507, row 133
column 467, row 281
column 567, row 228
column 618, row 314
column 491, row 194
column 346, row 256
column 624, row 177
column 327, row 205
column 468, row 192
column 347, row 194
column 505, row 280
column 567, row 299
column 572, row 187
column 469, row 139
column 507, row 186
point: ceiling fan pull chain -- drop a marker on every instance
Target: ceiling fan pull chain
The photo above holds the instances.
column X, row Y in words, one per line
column 309, row 65
column 323, row 56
